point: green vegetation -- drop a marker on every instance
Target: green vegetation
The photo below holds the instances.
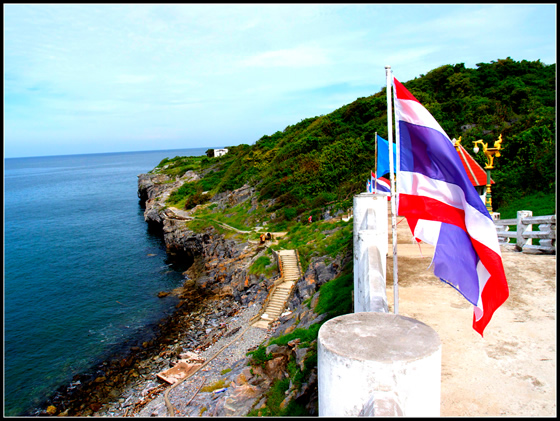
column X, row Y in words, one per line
column 541, row 204
column 305, row 335
column 214, row 386
column 317, row 239
column 263, row 265
column 259, row 356
column 277, row 392
column 323, row 161
column 178, row 166
column 335, row 297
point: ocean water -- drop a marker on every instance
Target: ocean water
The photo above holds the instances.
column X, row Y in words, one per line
column 81, row 269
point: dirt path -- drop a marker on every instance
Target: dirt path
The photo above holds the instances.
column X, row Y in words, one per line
column 512, row 370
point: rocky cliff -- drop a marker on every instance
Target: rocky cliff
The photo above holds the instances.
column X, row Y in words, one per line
column 219, row 266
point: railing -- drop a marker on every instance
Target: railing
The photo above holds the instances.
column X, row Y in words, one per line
column 524, row 233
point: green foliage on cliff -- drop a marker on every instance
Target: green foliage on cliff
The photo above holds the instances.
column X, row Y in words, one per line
column 263, row 265
column 179, row 165
column 324, row 160
column 316, row 239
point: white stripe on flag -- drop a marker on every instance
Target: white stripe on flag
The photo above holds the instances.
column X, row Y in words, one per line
column 479, row 226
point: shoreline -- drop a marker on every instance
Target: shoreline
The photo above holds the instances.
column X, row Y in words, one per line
column 135, row 360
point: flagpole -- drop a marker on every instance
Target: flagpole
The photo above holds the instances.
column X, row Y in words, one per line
column 393, row 198
column 375, row 163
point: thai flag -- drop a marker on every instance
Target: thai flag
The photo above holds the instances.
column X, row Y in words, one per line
column 443, row 209
column 383, row 185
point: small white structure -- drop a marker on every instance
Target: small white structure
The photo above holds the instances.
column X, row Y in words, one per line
column 378, row 364
column 220, row 152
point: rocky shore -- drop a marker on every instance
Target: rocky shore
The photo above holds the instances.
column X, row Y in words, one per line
column 211, row 326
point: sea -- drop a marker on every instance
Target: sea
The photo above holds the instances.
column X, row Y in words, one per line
column 81, row 268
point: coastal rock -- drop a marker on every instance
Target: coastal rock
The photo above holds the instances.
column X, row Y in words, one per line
column 241, row 400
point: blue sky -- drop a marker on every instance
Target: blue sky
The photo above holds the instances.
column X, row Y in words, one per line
column 91, row 78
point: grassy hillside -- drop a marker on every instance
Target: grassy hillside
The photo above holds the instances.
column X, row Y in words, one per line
column 323, row 161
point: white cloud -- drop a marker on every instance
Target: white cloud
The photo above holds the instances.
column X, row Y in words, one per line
column 189, row 65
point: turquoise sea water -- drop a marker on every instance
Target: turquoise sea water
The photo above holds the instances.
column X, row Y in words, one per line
column 81, row 269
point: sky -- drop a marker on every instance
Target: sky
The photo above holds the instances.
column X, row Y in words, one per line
column 96, row 78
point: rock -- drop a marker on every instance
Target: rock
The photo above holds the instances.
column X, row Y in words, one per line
column 241, row 400
column 277, row 350
column 162, row 294
column 300, row 356
column 64, row 413
column 51, row 410
column 275, row 368
column 96, row 406
column 100, row 379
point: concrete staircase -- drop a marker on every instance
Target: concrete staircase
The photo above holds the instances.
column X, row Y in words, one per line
column 290, row 274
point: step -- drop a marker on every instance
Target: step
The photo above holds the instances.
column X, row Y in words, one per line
column 261, row 323
column 274, row 314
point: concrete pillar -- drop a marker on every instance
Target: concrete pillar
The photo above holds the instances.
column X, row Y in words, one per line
column 523, row 228
column 370, row 236
column 380, row 364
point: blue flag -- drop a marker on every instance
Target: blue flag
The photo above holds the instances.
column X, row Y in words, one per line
column 383, row 156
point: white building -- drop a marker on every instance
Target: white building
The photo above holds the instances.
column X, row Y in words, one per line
column 220, row 152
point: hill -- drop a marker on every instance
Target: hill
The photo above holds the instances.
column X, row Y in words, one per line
column 324, row 160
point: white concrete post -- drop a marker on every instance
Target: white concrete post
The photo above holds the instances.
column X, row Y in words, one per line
column 370, row 252
column 523, row 228
column 378, row 364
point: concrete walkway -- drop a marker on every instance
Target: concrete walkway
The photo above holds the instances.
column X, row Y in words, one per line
column 511, row 371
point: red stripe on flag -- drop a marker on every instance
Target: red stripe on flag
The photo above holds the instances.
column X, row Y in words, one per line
column 422, row 207
column 496, row 290
column 402, row 92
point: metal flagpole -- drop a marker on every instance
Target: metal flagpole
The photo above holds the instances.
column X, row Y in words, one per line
column 375, row 163
column 393, row 198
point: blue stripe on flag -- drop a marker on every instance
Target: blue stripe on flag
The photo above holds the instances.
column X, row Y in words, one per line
column 455, row 261
column 429, row 152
